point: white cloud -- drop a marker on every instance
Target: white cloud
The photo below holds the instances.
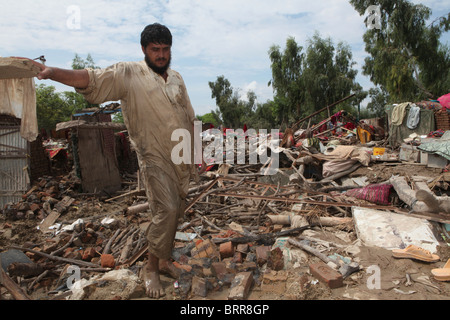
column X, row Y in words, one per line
column 211, row 38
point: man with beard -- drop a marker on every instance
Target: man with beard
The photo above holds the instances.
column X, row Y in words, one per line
column 154, row 103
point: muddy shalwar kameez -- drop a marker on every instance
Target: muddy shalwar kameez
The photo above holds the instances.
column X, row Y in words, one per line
column 152, row 109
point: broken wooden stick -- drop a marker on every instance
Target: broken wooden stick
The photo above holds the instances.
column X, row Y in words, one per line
column 50, row 257
column 311, row 250
column 17, row 269
column 12, row 287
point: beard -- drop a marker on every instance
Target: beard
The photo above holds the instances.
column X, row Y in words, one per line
column 156, row 69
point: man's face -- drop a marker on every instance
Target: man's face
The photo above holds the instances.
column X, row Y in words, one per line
column 158, row 57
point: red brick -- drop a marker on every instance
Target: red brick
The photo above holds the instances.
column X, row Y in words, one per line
column 219, row 268
column 205, row 249
column 226, row 250
column 262, row 254
column 241, row 286
column 326, row 274
column 199, row 286
column 34, row 207
column 182, row 267
column 276, row 259
column 88, row 254
column 238, row 257
column 107, row 261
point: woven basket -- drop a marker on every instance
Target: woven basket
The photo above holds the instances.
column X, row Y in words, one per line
column 442, row 120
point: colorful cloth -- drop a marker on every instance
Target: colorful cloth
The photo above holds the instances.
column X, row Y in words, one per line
column 375, row 193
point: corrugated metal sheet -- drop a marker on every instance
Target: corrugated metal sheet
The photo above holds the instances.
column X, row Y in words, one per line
column 14, row 178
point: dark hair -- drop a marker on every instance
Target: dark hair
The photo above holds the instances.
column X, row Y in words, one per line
column 156, row 33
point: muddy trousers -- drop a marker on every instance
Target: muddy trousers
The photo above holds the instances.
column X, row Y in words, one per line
column 166, row 211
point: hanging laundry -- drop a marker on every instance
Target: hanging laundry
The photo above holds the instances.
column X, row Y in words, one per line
column 18, row 99
column 413, row 117
column 398, row 113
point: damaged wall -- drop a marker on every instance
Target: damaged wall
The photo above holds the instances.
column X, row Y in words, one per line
column 97, row 157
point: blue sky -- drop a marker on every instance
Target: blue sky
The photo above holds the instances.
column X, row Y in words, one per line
column 211, row 37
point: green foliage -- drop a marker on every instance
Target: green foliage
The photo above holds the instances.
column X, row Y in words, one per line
column 379, row 100
column 79, row 63
column 308, row 81
column 303, row 81
column 212, row 118
column 54, row 107
column 231, row 109
column 51, row 107
column 287, row 80
column 406, row 58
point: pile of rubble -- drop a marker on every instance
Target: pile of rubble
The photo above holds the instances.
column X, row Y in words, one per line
column 296, row 234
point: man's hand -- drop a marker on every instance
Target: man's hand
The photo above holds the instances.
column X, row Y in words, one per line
column 73, row 78
column 45, row 73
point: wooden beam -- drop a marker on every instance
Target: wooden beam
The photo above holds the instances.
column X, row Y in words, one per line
column 82, row 124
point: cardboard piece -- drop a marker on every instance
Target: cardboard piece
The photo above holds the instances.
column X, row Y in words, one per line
column 393, row 231
column 14, row 68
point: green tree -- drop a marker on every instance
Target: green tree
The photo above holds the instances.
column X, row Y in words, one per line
column 263, row 117
column 307, row 81
column 79, row 63
column 329, row 75
column 54, row 107
column 406, row 57
column 231, row 109
column 51, row 108
column 379, row 100
column 212, row 118
column 287, row 80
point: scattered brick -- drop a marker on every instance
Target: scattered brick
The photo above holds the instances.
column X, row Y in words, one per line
column 241, row 286
column 199, row 286
column 275, row 259
column 205, row 249
column 88, row 254
column 226, row 250
column 274, row 281
column 327, row 275
column 242, row 247
column 262, row 254
column 107, row 261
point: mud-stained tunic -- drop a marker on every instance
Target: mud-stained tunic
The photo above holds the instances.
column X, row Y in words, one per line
column 152, row 109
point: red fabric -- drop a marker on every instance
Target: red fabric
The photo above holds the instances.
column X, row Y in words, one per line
column 376, row 193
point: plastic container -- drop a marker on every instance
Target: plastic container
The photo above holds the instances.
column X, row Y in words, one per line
column 379, row 151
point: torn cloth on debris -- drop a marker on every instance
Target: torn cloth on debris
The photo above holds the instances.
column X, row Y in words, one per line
column 350, row 152
column 375, row 193
column 332, row 167
column 18, row 99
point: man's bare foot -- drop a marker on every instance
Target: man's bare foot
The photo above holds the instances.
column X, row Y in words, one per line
column 152, row 282
column 167, row 267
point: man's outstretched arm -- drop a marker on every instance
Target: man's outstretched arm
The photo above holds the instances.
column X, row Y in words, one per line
column 78, row 79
